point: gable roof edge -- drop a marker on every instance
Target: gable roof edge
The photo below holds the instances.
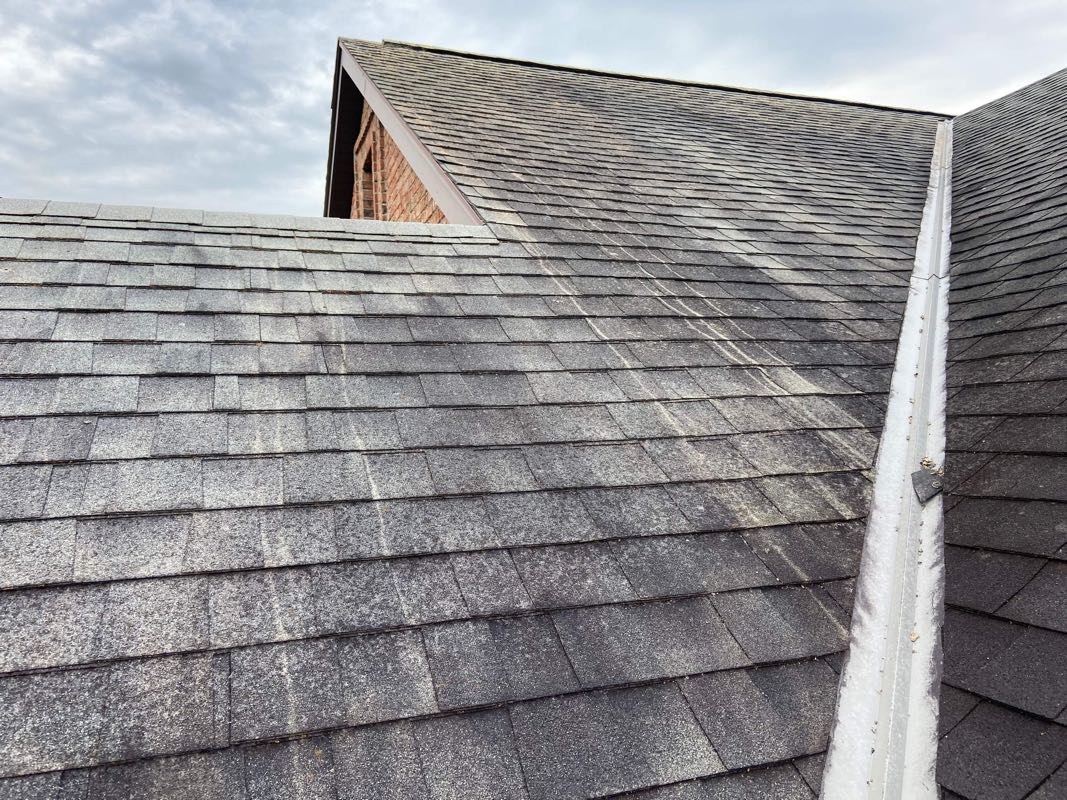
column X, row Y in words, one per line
column 439, row 184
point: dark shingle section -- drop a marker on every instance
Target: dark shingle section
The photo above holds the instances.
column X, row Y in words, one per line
column 1006, row 519
column 765, row 715
column 300, row 508
column 604, row 742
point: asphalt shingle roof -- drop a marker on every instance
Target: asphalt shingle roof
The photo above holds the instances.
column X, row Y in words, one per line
column 1004, row 701
column 235, row 513
column 566, row 505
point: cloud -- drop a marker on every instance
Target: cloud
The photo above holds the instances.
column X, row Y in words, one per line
column 225, row 105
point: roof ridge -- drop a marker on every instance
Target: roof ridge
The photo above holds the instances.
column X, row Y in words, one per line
column 648, row 78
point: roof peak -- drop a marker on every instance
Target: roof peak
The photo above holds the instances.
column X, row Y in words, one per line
column 645, row 78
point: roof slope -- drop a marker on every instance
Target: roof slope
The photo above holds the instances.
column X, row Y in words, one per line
column 565, row 506
column 587, row 158
column 1004, row 703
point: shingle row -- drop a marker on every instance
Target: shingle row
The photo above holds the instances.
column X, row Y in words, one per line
column 785, row 714
column 147, row 326
column 108, row 215
column 64, row 626
column 515, row 285
column 192, row 482
column 62, row 551
column 74, row 437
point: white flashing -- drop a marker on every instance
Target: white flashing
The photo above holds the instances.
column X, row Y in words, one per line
column 457, row 209
column 884, row 741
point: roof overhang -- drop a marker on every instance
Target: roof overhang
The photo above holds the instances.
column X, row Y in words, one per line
column 352, row 87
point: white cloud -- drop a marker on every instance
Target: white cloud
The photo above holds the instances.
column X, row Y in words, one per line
column 30, row 64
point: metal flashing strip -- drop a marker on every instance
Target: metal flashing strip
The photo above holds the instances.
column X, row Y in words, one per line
column 457, row 209
column 884, row 739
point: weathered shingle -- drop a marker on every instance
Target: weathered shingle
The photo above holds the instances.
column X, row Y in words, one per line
column 470, row 756
column 603, row 742
column 626, row 643
column 228, row 439
column 763, row 715
column 1005, row 627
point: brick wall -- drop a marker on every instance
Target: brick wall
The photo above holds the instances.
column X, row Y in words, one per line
column 385, row 186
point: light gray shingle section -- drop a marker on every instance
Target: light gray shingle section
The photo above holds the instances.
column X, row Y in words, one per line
column 317, row 477
column 149, row 708
column 235, row 482
column 267, row 606
column 125, row 486
column 45, row 358
column 565, row 752
column 169, row 615
column 354, row 597
column 175, row 394
column 36, row 552
column 352, row 430
column 385, row 677
column 754, row 716
column 58, row 439
column 627, row 643
column 189, row 434
column 105, row 327
column 123, row 437
column 91, row 394
column 266, row 433
column 428, row 590
column 379, row 761
column 23, row 491
column 285, row 688
column 470, row 756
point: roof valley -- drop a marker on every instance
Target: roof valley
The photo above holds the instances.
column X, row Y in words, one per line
column 884, row 741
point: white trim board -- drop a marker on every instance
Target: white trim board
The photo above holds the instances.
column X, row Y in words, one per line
column 884, row 740
column 457, row 209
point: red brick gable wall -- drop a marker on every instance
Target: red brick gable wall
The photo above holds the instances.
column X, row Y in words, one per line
column 385, row 187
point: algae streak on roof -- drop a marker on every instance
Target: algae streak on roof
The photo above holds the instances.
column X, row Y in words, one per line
column 566, row 505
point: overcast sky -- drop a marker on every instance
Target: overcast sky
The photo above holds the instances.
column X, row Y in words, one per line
column 226, row 105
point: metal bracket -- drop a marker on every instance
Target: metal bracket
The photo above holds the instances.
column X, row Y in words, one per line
column 928, row 482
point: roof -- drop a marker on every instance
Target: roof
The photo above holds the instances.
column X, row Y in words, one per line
column 660, row 159
column 568, row 504
column 357, row 43
column 1004, row 702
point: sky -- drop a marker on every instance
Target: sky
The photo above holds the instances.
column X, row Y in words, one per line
column 226, row 105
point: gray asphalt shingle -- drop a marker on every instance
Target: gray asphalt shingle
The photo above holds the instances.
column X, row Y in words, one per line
column 763, row 715
column 626, row 643
column 1004, row 515
column 602, row 742
column 228, row 438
